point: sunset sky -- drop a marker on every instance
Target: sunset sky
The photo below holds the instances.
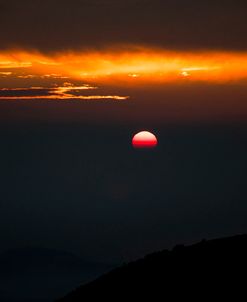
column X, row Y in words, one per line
column 133, row 51
column 78, row 79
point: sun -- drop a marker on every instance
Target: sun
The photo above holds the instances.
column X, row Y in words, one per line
column 144, row 139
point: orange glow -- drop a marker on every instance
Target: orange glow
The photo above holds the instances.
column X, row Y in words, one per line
column 133, row 66
column 5, row 74
column 144, row 139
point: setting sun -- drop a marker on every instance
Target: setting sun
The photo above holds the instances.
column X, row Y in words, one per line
column 144, row 139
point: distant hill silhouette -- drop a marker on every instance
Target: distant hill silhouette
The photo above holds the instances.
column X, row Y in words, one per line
column 38, row 259
column 209, row 270
column 41, row 274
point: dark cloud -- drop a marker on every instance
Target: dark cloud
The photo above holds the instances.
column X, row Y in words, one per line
column 25, row 92
column 67, row 92
column 54, row 25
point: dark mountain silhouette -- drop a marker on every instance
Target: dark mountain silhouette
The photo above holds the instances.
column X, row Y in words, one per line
column 206, row 270
column 40, row 259
column 41, row 274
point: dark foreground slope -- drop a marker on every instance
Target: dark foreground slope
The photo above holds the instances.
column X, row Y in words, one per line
column 209, row 269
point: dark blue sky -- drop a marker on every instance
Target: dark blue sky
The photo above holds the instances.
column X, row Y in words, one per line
column 81, row 187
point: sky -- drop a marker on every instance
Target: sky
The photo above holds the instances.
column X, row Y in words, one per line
column 181, row 24
column 77, row 80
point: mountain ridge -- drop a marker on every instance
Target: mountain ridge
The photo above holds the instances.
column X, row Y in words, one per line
column 209, row 268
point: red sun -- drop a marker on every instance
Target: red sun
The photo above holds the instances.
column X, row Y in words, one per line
column 144, row 139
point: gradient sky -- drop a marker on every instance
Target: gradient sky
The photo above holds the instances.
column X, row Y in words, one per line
column 77, row 80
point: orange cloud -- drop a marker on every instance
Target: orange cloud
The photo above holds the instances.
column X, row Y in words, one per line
column 133, row 66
